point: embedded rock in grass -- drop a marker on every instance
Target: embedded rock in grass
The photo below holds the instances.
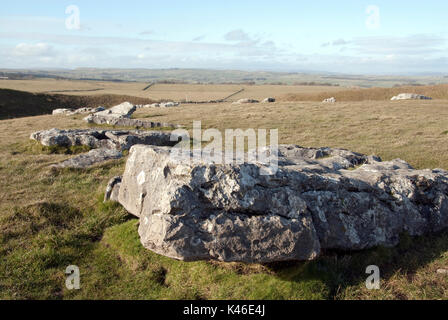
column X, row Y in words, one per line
column 410, row 96
column 121, row 116
column 88, row 159
column 169, row 104
column 268, row 100
column 319, row 198
column 125, row 110
column 112, row 139
column 70, row 112
column 58, row 112
column 110, row 143
column 75, row 137
column 330, row 100
column 125, row 122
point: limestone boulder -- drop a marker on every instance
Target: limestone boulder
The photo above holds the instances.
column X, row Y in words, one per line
column 169, row 104
column 107, row 144
column 58, row 112
column 77, row 137
column 123, row 110
column 410, row 96
column 317, row 199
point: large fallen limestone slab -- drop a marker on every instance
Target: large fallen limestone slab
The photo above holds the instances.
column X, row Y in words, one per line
column 126, row 122
column 70, row 112
column 123, row 110
column 62, row 111
column 111, row 139
column 410, row 96
column 120, row 116
column 107, row 144
column 318, row 199
column 91, row 158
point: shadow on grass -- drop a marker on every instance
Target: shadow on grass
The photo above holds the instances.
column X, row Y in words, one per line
column 340, row 270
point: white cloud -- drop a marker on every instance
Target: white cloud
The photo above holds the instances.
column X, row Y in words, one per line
column 422, row 44
column 237, row 35
column 33, row 50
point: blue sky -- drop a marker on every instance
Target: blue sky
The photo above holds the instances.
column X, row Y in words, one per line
column 374, row 36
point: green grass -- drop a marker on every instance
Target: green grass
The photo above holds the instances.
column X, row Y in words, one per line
column 53, row 218
column 34, row 147
column 39, row 240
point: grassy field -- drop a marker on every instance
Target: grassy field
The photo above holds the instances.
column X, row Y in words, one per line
column 208, row 76
column 178, row 92
column 371, row 94
column 15, row 104
column 50, row 219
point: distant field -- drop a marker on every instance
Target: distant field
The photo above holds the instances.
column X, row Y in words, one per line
column 358, row 94
column 14, row 104
column 226, row 76
column 416, row 131
column 195, row 92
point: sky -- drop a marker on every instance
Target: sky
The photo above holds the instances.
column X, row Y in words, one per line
column 344, row 36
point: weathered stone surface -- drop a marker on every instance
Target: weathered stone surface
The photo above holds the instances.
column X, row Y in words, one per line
column 330, row 100
column 126, row 139
column 58, row 112
column 125, row 110
column 87, row 110
column 169, row 104
column 126, row 122
column 70, row 112
column 113, row 140
column 410, row 96
column 92, row 157
column 76, row 137
column 268, row 100
column 319, row 198
column 120, row 116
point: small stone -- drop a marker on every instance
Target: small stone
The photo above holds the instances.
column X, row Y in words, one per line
column 330, row 100
column 58, row 112
column 410, row 96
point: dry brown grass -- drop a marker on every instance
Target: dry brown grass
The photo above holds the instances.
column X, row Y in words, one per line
column 384, row 94
column 195, row 92
column 15, row 104
column 416, row 131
